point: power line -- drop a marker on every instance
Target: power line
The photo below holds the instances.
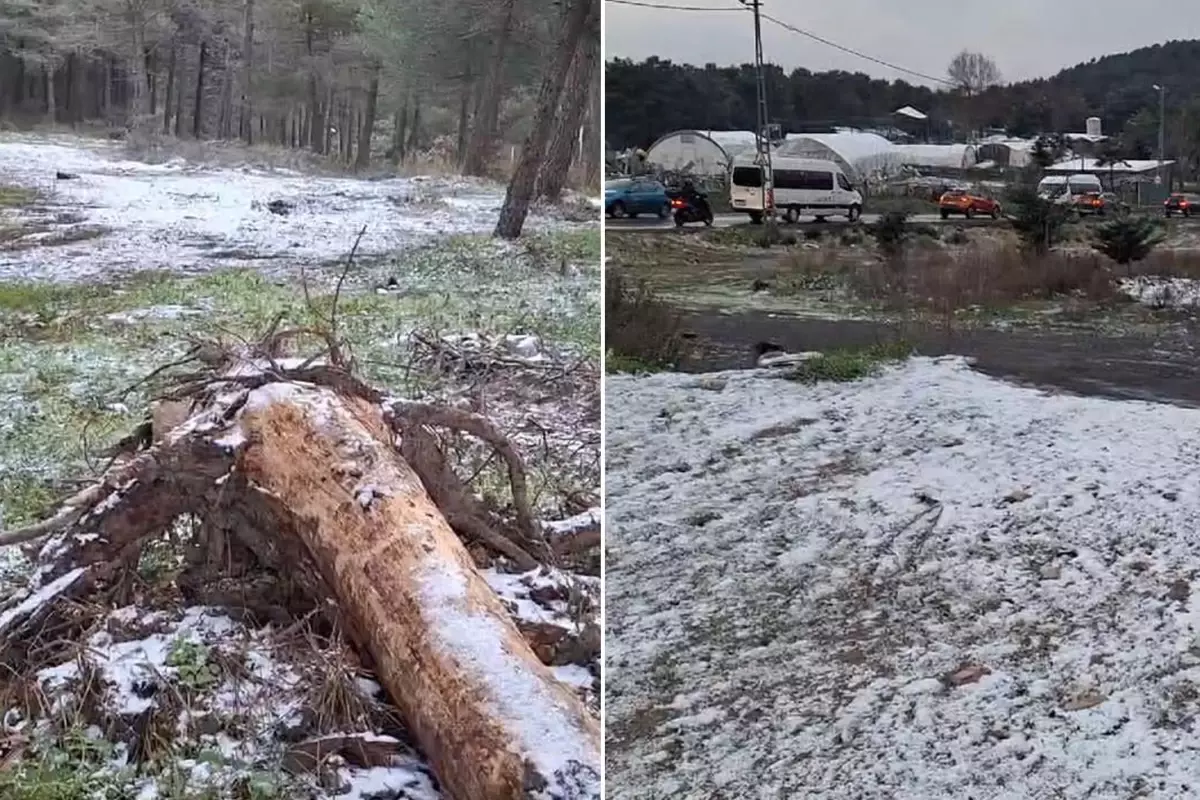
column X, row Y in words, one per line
column 674, row 8
column 853, row 52
column 793, row 29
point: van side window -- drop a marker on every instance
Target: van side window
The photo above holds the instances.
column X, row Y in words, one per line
column 803, row 179
column 844, row 183
column 747, row 176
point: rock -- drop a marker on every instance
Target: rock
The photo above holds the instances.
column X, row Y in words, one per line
column 1050, row 571
column 280, row 207
column 1086, row 699
column 1180, row 590
column 1017, row 496
column 760, row 286
column 65, row 176
column 966, row 673
column 523, row 345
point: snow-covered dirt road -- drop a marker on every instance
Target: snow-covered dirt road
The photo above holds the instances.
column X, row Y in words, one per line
column 118, row 216
column 928, row 584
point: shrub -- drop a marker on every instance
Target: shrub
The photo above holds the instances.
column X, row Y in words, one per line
column 642, row 332
column 1037, row 222
column 891, row 232
column 1128, row 239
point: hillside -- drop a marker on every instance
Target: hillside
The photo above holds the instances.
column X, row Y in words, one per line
column 651, row 97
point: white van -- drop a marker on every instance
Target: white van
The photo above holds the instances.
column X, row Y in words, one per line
column 802, row 186
column 1065, row 188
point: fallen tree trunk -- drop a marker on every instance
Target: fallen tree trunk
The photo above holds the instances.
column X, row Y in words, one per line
column 479, row 701
column 305, row 481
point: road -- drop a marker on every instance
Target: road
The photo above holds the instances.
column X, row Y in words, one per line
column 645, row 224
column 652, row 223
column 1163, row 367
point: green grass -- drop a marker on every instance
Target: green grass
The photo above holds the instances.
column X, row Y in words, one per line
column 617, row 364
column 64, row 363
column 16, row 196
column 851, row 364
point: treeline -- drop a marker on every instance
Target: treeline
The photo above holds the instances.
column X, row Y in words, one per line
column 646, row 99
column 315, row 74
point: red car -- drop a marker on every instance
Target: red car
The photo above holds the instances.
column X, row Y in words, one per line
column 957, row 201
column 1181, row 204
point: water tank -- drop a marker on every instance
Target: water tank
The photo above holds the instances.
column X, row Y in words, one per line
column 1093, row 126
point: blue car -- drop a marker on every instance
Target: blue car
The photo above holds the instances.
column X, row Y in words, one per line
column 628, row 197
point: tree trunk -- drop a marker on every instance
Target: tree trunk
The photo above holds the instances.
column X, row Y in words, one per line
column 169, row 102
column 152, row 82
column 399, row 133
column 363, row 160
column 464, row 108
column 51, row 104
column 307, row 483
column 198, row 110
column 561, row 152
column 483, row 131
column 247, row 111
column 138, row 108
column 414, row 129
column 593, row 146
column 582, row 19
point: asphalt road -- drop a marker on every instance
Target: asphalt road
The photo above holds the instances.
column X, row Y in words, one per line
column 653, row 223
column 1161, row 367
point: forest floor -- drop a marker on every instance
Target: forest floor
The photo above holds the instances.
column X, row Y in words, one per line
column 114, row 270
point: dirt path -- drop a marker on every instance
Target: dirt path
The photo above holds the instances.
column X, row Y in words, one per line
column 1162, row 368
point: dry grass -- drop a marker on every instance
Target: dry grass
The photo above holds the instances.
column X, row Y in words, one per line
column 642, row 333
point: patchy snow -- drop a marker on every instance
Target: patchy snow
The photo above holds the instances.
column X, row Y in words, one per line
column 238, row 724
column 925, row 584
column 164, row 312
column 34, row 598
column 1156, row 292
column 534, row 716
column 187, row 217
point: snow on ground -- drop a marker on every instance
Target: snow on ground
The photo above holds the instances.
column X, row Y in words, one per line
column 186, row 217
column 928, row 584
column 1155, row 292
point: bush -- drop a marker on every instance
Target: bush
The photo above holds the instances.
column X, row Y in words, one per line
column 1037, row 222
column 642, row 332
column 891, row 232
column 1128, row 239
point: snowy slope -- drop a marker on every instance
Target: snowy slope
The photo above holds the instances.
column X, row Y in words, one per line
column 928, row 584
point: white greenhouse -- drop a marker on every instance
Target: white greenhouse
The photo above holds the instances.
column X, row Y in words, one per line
column 860, row 155
column 939, row 156
column 701, row 153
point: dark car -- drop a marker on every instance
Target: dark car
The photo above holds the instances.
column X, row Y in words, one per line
column 1180, row 203
column 628, row 197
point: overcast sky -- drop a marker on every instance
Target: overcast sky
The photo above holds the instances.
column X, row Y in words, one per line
column 1026, row 38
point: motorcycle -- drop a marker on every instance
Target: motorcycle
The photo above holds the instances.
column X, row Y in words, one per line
column 690, row 211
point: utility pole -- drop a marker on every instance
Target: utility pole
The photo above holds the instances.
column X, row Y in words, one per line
column 1162, row 132
column 761, row 139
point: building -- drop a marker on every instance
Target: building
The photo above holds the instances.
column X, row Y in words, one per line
column 939, row 156
column 862, row 156
column 701, row 153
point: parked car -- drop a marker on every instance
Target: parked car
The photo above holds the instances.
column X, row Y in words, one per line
column 957, row 201
column 628, row 197
column 1180, row 203
column 1090, row 203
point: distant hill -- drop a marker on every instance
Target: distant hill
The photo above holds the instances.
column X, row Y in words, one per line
column 646, row 99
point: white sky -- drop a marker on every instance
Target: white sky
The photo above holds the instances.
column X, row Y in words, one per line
column 1026, row 38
